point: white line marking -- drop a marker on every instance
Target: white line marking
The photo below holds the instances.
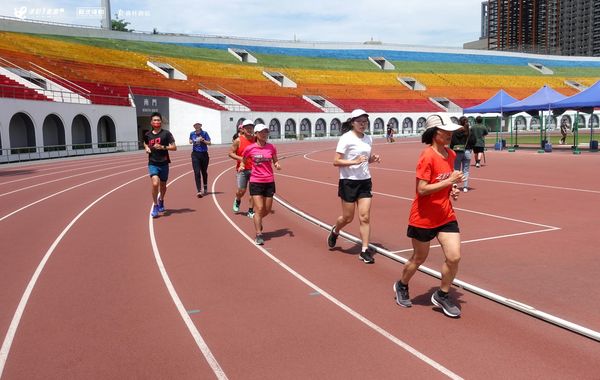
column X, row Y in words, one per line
column 475, row 178
column 200, row 342
column 410, row 200
column 79, row 185
column 516, row 305
column 334, row 300
column 14, row 324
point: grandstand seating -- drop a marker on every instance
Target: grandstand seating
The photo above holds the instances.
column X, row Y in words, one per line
column 107, row 71
column 12, row 89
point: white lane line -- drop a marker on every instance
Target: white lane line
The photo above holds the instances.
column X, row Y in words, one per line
column 514, row 304
column 410, row 200
column 200, row 342
column 477, row 178
column 334, row 300
column 76, row 186
column 14, row 324
column 67, row 177
column 78, row 167
column 486, row 238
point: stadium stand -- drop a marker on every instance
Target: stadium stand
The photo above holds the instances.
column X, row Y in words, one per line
column 344, row 77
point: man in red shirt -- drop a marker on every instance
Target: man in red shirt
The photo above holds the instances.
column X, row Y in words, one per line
column 431, row 215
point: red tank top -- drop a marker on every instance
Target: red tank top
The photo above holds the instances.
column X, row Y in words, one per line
column 244, row 142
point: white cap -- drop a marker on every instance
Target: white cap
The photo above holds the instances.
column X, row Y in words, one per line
column 247, row 122
column 260, row 127
column 358, row 112
column 442, row 121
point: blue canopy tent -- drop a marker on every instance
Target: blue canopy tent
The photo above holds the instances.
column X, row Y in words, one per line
column 585, row 101
column 495, row 104
column 539, row 101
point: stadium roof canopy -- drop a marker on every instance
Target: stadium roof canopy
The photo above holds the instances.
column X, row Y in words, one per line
column 495, row 104
column 538, row 101
column 584, row 101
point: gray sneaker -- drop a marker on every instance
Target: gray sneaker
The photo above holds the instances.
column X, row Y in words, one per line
column 402, row 297
column 446, row 303
column 259, row 240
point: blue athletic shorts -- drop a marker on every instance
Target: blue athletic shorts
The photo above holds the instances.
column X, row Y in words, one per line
column 162, row 171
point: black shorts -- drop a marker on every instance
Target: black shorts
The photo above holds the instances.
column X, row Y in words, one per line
column 478, row 149
column 265, row 189
column 428, row 234
column 351, row 190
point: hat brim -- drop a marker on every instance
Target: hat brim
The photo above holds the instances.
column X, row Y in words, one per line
column 449, row 127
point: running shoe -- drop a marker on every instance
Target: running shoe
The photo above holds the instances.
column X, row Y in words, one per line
column 199, row 194
column 250, row 214
column 205, row 191
column 155, row 212
column 402, row 296
column 465, row 189
column 259, row 240
column 367, row 256
column 446, row 303
column 332, row 238
column 478, row 165
column 236, row 205
column 161, row 205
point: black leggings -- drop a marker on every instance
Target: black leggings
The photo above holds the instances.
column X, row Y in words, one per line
column 200, row 165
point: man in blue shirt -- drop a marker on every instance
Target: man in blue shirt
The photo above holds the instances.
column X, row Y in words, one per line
column 200, row 141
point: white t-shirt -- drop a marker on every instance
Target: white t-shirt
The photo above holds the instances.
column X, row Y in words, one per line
column 350, row 146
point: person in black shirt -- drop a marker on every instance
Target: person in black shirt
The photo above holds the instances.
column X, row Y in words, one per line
column 157, row 143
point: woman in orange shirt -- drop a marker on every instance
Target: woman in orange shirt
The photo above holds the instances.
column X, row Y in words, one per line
column 432, row 215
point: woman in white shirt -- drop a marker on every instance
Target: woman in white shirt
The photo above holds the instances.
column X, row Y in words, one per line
column 352, row 157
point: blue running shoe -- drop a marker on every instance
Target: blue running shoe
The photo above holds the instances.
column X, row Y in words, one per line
column 161, row 205
column 155, row 212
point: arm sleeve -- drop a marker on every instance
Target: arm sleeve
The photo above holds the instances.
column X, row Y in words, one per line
column 424, row 168
column 341, row 146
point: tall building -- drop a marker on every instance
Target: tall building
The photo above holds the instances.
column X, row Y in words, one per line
column 562, row 27
column 580, row 27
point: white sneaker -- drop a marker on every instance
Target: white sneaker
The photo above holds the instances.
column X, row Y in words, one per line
column 465, row 189
column 477, row 165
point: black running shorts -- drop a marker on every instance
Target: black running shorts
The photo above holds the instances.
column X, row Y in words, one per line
column 264, row 189
column 428, row 234
column 351, row 190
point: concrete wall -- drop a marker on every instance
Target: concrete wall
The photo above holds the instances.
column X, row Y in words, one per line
column 183, row 116
column 123, row 117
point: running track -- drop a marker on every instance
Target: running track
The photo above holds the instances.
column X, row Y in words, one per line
column 93, row 288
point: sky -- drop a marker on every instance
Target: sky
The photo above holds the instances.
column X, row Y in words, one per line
column 410, row 22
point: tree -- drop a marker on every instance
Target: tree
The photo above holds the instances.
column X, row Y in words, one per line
column 120, row 25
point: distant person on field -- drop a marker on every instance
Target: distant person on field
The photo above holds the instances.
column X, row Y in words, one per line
column 157, row 143
column 242, row 172
column 564, row 130
column 390, row 133
column 431, row 215
column 352, row 157
column 479, row 131
column 462, row 144
column 200, row 141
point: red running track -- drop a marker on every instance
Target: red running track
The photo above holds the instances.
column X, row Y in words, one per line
column 100, row 305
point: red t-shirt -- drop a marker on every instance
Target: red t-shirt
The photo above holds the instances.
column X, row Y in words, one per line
column 244, row 143
column 433, row 210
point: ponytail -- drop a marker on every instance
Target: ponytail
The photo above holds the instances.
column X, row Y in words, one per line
column 346, row 126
